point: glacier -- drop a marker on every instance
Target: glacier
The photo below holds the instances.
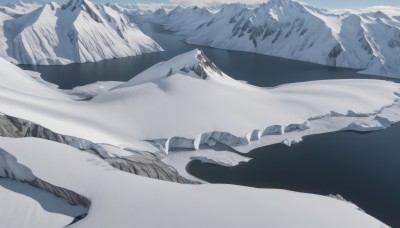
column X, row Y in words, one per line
column 76, row 32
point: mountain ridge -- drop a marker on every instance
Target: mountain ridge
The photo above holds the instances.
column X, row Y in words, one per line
column 367, row 40
column 79, row 31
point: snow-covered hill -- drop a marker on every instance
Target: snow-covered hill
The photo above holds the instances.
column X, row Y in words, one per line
column 79, row 31
column 120, row 199
column 367, row 39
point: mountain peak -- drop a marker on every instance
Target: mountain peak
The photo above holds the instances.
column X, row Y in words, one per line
column 193, row 63
column 85, row 5
column 281, row 3
column 197, row 62
column 75, row 4
column 204, row 64
column 277, row 2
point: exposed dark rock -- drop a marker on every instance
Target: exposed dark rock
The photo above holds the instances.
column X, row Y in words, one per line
column 148, row 167
column 68, row 5
column 92, row 14
column 268, row 32
column 10, row 168
column 141, row 163
column 77, row 219
column 169, row 72
column 341, row 198
column 335, row 52
column 277, row 36
column 70, row 196
column 203, row 63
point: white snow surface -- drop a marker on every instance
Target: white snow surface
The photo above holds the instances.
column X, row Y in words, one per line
column 24, row 206
column 182, row 103
column 367, row 39
column 170, row 106
column 91, row 90
column 79, row 31
column 119, row 198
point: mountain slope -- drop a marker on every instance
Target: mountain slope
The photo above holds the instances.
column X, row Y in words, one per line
column 79, row 31
column 293, row 30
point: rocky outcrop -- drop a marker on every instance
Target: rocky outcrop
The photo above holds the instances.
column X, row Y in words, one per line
column 18, row 128
column 141, row 163
column 148, row 167
column 70, row 196
column 341, row 198
column 12, row 169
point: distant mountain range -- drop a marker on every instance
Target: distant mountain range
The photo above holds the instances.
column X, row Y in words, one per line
column 79, row 31
column 366, row 39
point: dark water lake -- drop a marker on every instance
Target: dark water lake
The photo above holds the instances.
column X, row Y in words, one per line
column 363, row 168
column 257, row 69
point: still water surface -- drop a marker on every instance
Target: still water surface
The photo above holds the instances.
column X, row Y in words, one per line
column 363, row 168
column 257, row 69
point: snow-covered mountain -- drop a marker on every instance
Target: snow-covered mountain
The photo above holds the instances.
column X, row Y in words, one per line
column 367, row 39
column 79, row 31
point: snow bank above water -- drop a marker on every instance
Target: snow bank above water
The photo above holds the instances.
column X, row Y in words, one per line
column 136, row 200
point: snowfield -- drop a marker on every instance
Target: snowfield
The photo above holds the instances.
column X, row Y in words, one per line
column 186, row 103
column 79, row 31
column 25, row 206
column 118, row 198
column 181, row 90
column 367, row 39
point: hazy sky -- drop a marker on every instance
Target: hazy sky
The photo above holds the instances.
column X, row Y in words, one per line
column 320, row 3
column 355, row 4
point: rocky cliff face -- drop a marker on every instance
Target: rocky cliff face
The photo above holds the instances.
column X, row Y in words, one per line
column 148, row 167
